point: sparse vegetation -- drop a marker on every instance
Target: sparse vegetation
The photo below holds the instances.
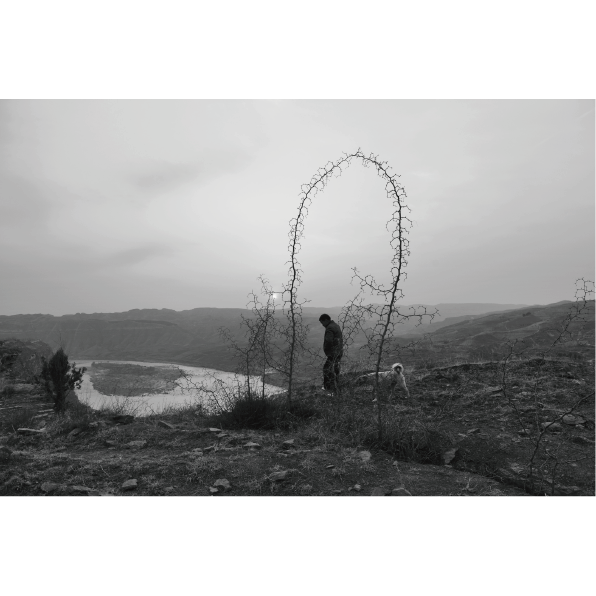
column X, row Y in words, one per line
column 19, row 418
column 59, row 377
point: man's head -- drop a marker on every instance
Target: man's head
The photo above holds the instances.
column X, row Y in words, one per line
column 325, row 320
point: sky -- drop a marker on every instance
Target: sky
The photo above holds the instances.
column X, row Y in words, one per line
column 110, row 205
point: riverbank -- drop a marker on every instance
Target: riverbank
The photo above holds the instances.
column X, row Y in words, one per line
column 144, row 388
column 468, row 434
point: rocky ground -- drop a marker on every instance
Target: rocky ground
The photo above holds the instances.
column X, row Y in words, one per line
column 169, row 458
column 472, row 432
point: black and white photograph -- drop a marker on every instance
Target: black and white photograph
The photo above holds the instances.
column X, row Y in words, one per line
column 245, row 299
column 201, row 323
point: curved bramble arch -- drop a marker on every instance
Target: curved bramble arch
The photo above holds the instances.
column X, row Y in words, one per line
column 398, row 226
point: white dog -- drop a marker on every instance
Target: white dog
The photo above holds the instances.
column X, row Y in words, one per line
column 394, row 377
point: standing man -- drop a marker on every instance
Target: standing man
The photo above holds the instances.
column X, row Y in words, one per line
column 333, row 348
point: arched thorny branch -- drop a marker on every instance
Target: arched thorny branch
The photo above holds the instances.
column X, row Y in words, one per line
column 386, row 314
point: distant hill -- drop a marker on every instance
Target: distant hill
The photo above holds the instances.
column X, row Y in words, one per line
column 447, row 310
column 191, row 336
column 186, row 337
column 537, row 326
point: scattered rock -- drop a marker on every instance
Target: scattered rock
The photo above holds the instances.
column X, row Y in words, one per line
column 165, row 424
column 215, row 430
column 74, row 432
column 130, row 484
column 517, row 468
column 401, row 492
column 136, row 444
column 365, row 455
column 49, row 487
column 449, row 455
column 289, row 444
column 278, row 476
column 123, row 419
column 573, row 420
column 110, row 443
column 94, row 424
column 84, row 489
column 251, row 445
column 209, row 449
column 337, row 491
column 582, row 441
column 168, row 489
column 552, row 427
column 222, row 435
column 356, row 487
column 379, row 492
column 329, row 466
column 473, row 431
column 197, row 452
column 30, row 431
column 493, row 389
column 213, row 490
column 223, row 484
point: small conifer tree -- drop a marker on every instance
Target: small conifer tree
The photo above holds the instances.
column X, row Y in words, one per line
column 59, row 377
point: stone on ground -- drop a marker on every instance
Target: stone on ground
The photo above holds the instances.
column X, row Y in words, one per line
column 136, row 444
column 278, row 476
column 552, row 427
column 449, row 455
column 365, row 455
column 251, row 445
column 223, row 484
column 130, row 484
column 401, row 492
column 29, row 431
column 48, row 487
column 379, row 492
column 83, row 490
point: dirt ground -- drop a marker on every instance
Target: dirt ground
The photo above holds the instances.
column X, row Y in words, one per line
column 471, row 432
column 189, row 461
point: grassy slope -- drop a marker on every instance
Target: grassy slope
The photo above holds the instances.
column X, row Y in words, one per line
column 483, row 420
column 460, row 413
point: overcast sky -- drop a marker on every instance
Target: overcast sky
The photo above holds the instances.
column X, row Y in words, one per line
column 113, row 205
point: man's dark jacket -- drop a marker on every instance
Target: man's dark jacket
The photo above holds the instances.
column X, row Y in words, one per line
column 333, row 343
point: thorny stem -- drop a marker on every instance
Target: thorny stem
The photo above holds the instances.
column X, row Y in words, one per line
column 397, row 226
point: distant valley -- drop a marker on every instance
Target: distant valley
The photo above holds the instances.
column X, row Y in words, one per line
column 191, row 336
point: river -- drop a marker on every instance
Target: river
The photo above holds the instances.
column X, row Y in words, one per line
column 190, row 388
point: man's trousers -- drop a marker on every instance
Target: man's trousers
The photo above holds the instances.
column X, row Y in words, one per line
column 331, row 372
